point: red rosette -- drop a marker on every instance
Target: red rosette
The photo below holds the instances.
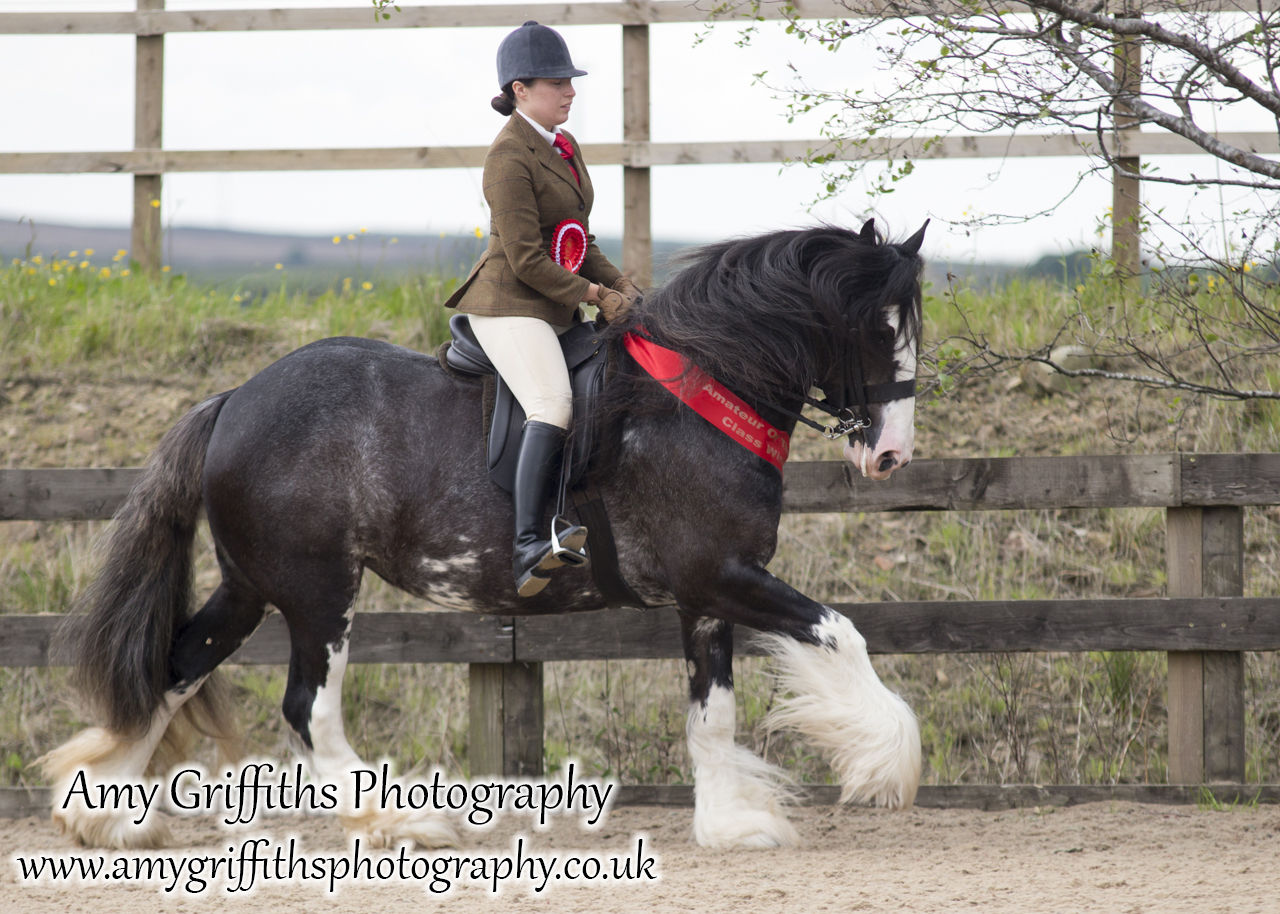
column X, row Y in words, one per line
column 569, row 244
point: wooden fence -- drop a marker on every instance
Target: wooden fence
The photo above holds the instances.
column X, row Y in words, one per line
column 1204, row 624
column 149, row 161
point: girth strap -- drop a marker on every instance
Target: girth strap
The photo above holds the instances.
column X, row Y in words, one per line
column 605, row 572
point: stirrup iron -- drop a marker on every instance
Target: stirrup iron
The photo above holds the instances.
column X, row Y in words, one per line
column 569, row 551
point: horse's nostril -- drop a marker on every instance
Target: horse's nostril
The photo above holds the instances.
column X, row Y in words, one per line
column 887, row 463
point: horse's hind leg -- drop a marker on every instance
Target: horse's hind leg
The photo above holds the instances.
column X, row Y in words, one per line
column 319, row 614
column 227, row 619
column 738, row 796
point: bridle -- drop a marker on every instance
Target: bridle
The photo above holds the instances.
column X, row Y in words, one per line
column 849, row 398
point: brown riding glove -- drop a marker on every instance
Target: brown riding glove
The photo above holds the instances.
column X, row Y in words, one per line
column 617, row 301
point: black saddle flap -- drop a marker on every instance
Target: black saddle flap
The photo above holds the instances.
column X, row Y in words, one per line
column 586, row 357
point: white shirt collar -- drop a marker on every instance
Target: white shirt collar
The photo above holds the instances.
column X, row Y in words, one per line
column 542, row 131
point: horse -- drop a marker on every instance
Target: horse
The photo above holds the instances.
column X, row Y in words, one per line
column 351, row 454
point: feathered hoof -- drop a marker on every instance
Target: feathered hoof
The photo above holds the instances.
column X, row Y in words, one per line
column 834, row 697
column 386, row 828
column 105, row 758
column 110, row 829
column 726, row 828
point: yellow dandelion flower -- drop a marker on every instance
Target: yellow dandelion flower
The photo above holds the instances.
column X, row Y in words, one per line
column 52, row 281
column 37, row 259
column 88, row 252
column 56, row 266
column 165, row 268
column 31, row 271
column 83, row 264
column 479, row 232
column 105, row 273
column 155, row 204
column 121, row 252
column 124, row 272
column 346, row 282
column 235, row 298
column 363, row 231
column 351, row 237
column 366, row 286
column 395, row 240
column 73, row 254
column 1079, row 289
column 279, row 266
column 337, row 239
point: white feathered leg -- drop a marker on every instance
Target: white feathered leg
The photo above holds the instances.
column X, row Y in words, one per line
column 738, row 796
column 838, row 702
column 107, row 758
column 332, row 760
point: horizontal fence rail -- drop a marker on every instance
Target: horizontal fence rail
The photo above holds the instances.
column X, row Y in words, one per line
column 145, row 23
column 919, row 627
column 630, row 155
column 835, row 486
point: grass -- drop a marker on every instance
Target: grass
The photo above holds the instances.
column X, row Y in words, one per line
column 55, row 315
column 97, row 365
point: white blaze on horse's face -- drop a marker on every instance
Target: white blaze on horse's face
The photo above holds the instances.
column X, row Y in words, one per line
column 892, row 447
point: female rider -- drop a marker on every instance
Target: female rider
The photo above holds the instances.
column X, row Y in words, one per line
column 519, row 298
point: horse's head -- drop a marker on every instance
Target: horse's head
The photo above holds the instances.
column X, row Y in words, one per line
column 872, row 367
column 773, row 315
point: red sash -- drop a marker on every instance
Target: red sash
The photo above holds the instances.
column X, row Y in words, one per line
column 711, row 400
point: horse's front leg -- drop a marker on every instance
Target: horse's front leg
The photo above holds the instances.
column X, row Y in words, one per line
column 835, row 698
column 737, row 795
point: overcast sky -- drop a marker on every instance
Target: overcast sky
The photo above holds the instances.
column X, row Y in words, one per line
column 430, row 87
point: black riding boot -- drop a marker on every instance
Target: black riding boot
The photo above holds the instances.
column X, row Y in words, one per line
column 537, row 472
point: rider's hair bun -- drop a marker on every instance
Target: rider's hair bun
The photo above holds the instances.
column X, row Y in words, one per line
column 504, row 104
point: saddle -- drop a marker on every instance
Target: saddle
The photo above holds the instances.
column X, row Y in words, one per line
column 587, row 357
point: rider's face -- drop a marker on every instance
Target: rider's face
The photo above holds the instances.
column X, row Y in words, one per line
column 547, row 101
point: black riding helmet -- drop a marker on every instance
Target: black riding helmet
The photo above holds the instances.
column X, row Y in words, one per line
column 533, row 51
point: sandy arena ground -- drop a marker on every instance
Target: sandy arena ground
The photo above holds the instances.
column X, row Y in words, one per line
column 1101, row 857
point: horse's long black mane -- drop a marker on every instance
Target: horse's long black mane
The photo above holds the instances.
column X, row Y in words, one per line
column 773, row 312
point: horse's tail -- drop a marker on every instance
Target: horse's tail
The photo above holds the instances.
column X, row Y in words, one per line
column 119, row 637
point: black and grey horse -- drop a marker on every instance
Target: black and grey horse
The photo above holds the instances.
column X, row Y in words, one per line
column 351, row 454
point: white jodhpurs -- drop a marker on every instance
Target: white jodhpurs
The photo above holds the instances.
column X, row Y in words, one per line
column 527, row 354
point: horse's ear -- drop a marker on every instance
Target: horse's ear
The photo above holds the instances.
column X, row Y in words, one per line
column 912, row 244
column 868, row 233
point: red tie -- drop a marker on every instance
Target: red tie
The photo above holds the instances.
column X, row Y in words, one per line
column 566, row 153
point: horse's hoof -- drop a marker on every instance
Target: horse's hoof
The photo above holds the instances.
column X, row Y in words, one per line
column 110, row 829
column 386, row 828
column 746, row 828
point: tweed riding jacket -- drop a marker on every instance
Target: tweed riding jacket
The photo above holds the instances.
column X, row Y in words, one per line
column 530, row 190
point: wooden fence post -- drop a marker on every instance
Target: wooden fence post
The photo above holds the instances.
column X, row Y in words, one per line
column 1205, row 556
column 147, row 134
column 637, row 225
column 505, row 703
column 1223, row 576
column 1183, row 558
column 1126, row 203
